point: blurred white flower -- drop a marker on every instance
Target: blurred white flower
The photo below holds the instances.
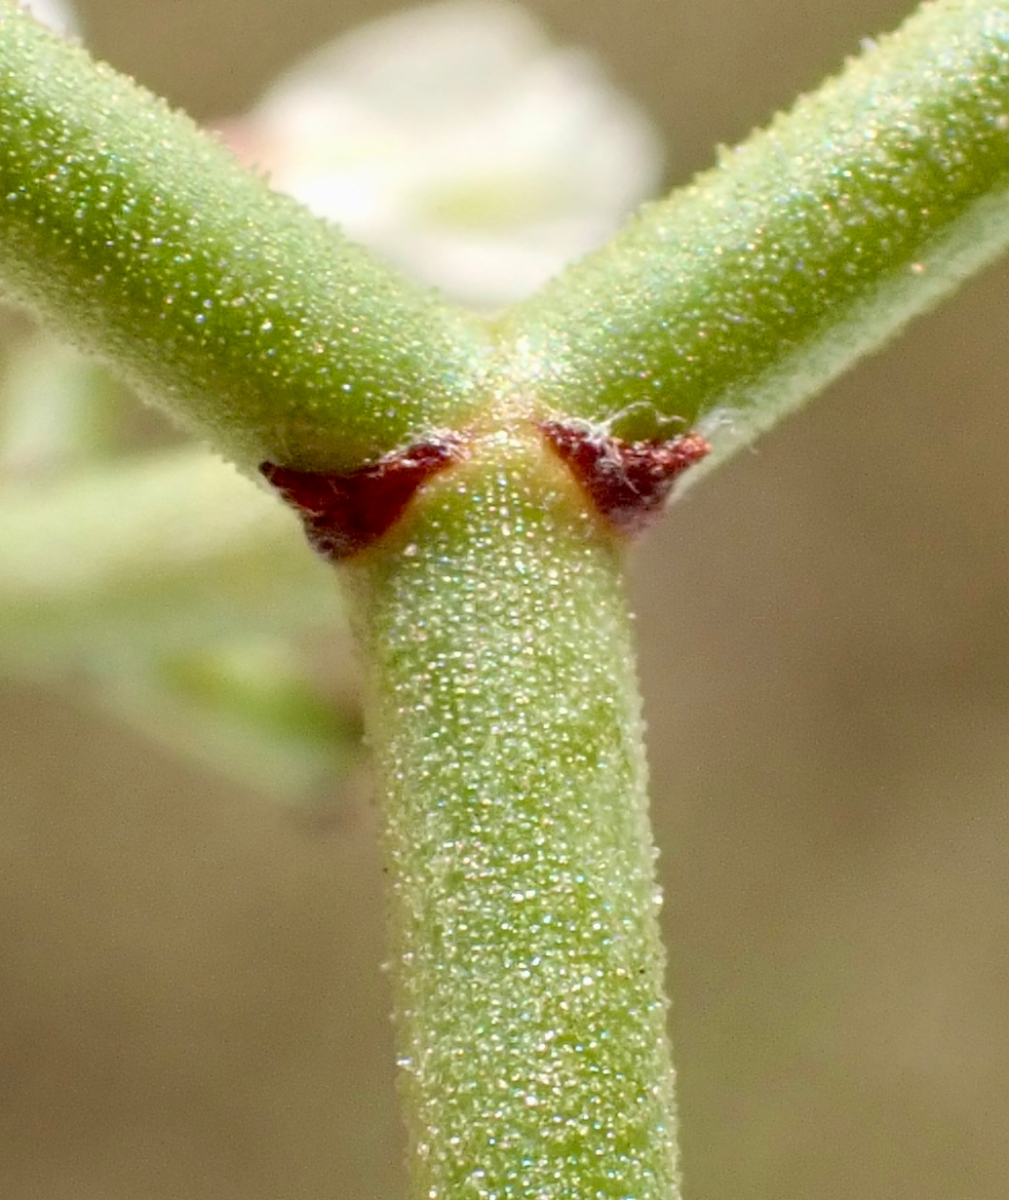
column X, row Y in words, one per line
column 458, row 143
column 54, row 13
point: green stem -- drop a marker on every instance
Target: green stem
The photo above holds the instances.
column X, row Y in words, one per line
column 504, row 711
column 143, row 240
column 740, row 296
column 504, row 716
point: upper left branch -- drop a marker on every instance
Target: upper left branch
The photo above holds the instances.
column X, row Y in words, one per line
column 144, row 241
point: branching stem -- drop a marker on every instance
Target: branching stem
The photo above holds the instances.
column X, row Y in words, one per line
column 503, row 706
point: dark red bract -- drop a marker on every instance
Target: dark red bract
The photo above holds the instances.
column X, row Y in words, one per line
column 344, row 513
column 628, row 482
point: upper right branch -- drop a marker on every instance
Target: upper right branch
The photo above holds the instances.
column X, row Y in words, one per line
column 803, row 249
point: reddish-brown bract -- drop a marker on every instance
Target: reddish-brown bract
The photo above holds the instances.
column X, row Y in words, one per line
column 628, row 482
column 344, row 514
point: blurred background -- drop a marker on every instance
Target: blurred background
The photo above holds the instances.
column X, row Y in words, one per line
column 191, row 996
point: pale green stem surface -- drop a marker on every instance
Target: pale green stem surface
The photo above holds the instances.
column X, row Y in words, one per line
column 504, row 718
column 739, row 297
column 256, row 324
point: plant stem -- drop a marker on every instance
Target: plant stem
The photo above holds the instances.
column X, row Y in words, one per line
column 504, row 717
column 808, row 246
column 145, row 241
column 503, row 707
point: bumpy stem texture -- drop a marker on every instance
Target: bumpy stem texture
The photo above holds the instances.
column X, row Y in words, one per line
column 505, row 720
column 806, row 247
column 143, row 240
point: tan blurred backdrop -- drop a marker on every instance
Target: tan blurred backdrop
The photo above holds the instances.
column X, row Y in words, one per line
column 191, row 1000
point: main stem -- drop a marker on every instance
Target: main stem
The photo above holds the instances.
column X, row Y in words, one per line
column 505, row 719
